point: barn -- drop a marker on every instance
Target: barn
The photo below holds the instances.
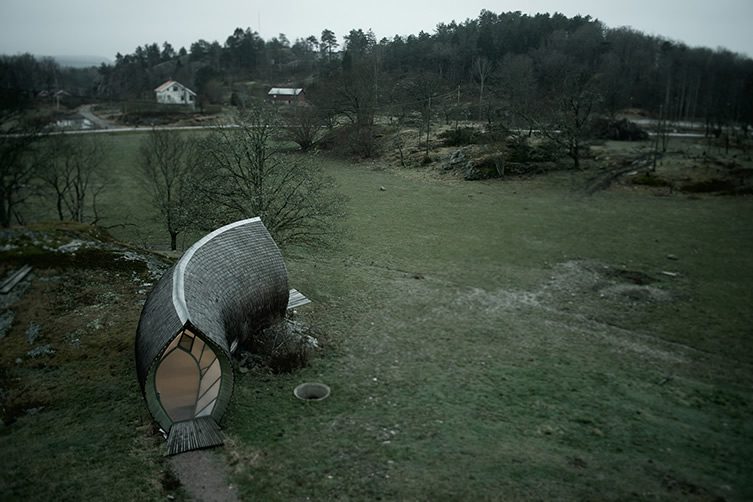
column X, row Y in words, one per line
column 229, row 284
column 175, row 93
column 286, row 95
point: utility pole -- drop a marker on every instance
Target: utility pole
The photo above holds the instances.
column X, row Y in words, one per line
column 428, row 126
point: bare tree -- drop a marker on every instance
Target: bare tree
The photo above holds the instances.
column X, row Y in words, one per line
column 568, row 113
column 243, row 174
column 166, row 167
column 354, row 98
column 572, row 119
column 17, row 168
column 482, row 68
column 71, row 166
column 305, row 126
column 423, row 89
column 569, row 125
column 55, row 172
column 86, row 178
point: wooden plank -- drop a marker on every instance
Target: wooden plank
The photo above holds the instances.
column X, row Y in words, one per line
column 194, row 434
column 14, row 279
column 296, row 299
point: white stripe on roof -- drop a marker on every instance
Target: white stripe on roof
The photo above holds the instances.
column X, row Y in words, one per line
column 179, row 292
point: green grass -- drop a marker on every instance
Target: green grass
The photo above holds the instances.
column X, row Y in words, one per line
column 127, row 201
column 124, row 206
column 497, row 374
column 481, row 343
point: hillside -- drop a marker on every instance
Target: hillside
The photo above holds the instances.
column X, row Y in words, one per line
column 73, row 421
column 503, row 336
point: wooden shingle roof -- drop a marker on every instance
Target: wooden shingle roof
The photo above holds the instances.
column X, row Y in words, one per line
column 227, row 286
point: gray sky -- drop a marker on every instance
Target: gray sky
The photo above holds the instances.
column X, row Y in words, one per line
column 104, row 27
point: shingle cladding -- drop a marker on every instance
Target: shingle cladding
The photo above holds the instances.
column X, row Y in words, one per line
column 158, row 324
column 235, row 284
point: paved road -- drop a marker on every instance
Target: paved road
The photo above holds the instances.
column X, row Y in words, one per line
column 86, row 112
column 105, row 126
column 114, row 129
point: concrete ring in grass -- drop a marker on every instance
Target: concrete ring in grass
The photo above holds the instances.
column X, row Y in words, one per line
column 311, row 391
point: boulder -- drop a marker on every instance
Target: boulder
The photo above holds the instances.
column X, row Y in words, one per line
column 456, row 160
column 472, row 173
column 32, row 332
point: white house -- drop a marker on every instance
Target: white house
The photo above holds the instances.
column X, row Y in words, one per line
column 175, row 93
column 287, row 95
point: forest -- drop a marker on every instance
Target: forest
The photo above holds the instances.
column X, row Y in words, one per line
column 508, row 69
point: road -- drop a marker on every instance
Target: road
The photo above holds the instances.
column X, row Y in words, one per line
column 86, row 112
column 104, row 126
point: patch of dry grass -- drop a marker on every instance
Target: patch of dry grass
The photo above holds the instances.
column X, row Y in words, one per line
column 74, row 424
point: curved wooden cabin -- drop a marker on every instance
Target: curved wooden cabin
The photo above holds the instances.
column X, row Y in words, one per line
column 229, row 284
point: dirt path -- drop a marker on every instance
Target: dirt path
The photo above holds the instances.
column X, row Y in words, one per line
column 204, row 476
column 602, row 181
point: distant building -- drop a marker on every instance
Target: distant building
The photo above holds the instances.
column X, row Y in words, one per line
column 286, row 95
column 175, row 93
column 55, row 96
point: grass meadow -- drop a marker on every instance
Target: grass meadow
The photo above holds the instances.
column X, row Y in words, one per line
column 496, row 340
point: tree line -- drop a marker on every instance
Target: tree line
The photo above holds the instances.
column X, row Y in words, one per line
column 503, row 63
column 548, row 73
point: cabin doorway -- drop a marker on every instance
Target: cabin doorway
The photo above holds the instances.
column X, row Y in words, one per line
column 188, row 378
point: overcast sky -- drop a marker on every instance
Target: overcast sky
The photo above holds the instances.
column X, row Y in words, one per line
column 104, row 27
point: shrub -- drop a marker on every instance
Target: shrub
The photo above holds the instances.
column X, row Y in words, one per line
column 546, row 151
column 352, row 140
column 460, row 136
column 706, row 186
column 236, row 100
column 211, row 109
column 518, row 149
column 620, row 130
column 489, row 166
column 282, row 348
column 647, row 179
